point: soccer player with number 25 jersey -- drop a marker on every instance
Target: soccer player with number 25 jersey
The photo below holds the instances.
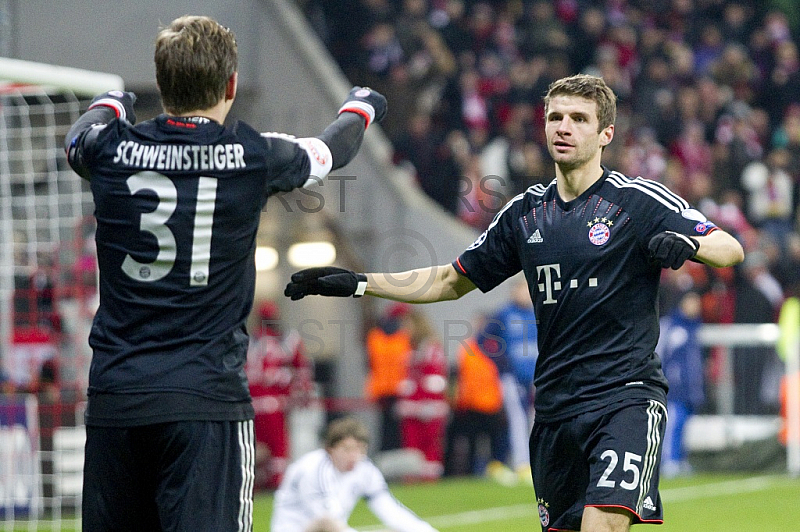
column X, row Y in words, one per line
column 591, row 245
column 177, row 202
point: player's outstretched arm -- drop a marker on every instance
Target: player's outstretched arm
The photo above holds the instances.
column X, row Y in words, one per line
column 424, row 285
column 103, row 109
column 362, row 107
column 395, row 515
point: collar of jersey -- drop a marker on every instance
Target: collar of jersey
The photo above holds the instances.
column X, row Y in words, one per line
column 568, row 205
column 178, row 121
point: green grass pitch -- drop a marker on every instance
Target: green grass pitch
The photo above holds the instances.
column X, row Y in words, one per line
column 702, row 503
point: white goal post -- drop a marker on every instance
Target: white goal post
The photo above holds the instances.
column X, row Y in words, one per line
column 78, row 81
column 47, row 291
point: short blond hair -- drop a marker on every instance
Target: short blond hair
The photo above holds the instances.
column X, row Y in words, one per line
column 195, row 57
column 346, row 427
column 590, row 87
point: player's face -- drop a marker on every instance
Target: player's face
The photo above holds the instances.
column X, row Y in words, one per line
column 346, row 454
column 571, row 128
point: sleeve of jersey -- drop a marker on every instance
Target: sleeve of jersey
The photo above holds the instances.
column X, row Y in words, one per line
column 666, row 211
column 82, row 135
column 315, row 152
column 396, row 516
column 493, row 257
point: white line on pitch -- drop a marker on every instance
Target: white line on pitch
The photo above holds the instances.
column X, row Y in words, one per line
column 703, row 491
column 471, row 517
column 715, row 489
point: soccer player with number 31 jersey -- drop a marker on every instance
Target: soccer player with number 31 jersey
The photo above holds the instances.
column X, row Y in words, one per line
column 178, row 201
column 591, row 245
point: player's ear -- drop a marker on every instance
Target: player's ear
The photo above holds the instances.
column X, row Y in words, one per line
column 606, row 135
column 230, row 88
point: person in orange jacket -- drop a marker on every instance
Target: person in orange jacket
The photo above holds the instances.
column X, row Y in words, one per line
column 388, row 346
column 478, row 408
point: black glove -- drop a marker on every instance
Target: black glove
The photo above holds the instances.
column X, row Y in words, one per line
column 120, row 102
column 326, row 281
column 672, row 249
column 366, row 102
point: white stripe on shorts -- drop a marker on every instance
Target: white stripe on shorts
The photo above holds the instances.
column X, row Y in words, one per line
column 655, row 413
column 247, row 454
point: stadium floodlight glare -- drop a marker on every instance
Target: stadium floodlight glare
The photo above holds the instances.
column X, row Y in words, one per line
column 266, row 258
column 310, row 254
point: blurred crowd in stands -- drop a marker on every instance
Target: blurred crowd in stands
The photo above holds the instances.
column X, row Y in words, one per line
column 709, row 104
column 709, row 100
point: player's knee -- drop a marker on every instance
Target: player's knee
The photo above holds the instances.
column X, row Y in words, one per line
column 597, row 519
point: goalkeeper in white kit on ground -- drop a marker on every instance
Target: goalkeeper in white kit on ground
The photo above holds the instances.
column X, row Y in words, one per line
column 321, row 488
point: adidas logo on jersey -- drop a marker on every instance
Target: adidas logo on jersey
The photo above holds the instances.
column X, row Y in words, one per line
column 536, row 238
column 648, row 504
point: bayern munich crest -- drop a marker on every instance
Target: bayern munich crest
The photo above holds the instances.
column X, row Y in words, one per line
column 599, row 234
column 544, row 514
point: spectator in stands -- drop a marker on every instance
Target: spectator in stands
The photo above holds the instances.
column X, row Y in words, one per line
column 478, row 415
column 682, row 360
column 280, row 378
column 422, row 406
column 751, row 363
column 478, row 195
column 323, row 486
column 433, row 165
column 388, row 347
column 771, row 194
column 724, row 68
column 513, row 332
column 787, row 268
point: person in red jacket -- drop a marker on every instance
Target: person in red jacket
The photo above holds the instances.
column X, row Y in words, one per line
column 280, row 377
column 423, row 405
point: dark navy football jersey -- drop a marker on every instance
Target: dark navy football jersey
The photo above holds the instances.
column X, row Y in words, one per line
column 177, row 203
column 593, row 285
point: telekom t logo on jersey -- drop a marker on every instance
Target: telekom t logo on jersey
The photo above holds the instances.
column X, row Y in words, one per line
column 549, row 277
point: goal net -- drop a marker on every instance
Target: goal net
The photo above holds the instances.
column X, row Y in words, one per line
column 47, row 294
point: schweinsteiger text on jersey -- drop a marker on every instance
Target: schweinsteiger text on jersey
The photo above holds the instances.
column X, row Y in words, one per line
column 180, row 157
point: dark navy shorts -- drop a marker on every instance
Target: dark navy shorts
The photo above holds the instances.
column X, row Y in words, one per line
column 176, row 476
column 609, row 458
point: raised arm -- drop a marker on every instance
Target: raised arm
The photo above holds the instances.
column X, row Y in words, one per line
column 362, row 108
column 103, row 109
column 339, row 142
column 424, row 285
